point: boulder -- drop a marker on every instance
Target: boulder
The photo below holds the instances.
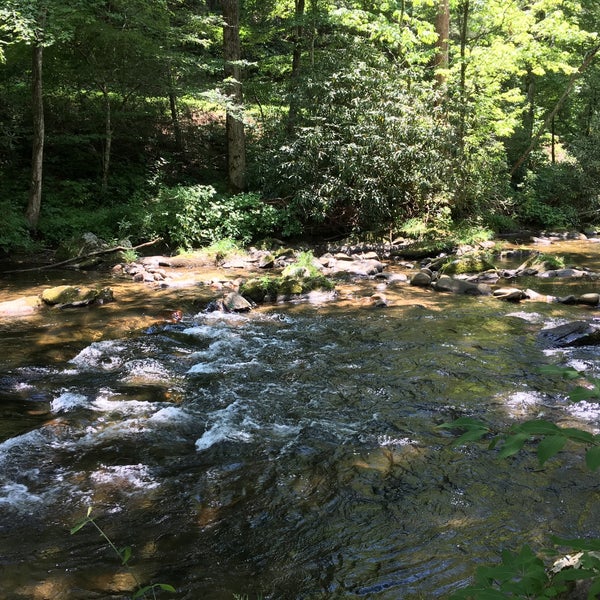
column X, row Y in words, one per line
column 510, row 294
column 68, row 296
column 458, row 286
column 421, row 279
column 576, row 333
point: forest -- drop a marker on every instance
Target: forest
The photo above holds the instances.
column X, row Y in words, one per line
column 200, row 120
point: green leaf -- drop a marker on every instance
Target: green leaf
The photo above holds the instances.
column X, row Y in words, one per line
column 550, row 446
column 79, row 525
column 537, row 427
column 472, row 435
column 579, row 435
column 513, row 444
column 577, row 543
column 592, row 458
column 166, row 587
column 125, row 554
column 566, row 372
column 583, row 393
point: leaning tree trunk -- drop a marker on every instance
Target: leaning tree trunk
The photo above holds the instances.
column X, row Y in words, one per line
column 236, row 140
column 37, row 158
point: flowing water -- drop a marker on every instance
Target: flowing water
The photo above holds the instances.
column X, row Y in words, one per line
column 288, row 453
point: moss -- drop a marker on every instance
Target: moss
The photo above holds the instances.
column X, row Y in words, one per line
column 259, row 289
column 470, row 263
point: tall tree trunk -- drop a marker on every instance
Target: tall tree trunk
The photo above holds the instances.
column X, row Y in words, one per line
column 236, row 140
column 442, row 28
column 37, row 157
column 464, row 32
column 108, row 135
column 296, row 65
column 175, row 112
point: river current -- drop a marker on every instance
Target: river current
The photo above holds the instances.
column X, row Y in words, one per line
column 287, row 453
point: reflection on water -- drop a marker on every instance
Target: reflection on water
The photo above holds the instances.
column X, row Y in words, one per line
column 291, row 452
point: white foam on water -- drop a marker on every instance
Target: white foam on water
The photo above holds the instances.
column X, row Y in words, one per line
column 18, row 496
column 221, row 432
column 125, row 476
column 100, row 355
column 386, row 440
column 146, row 371
column 107, row 403
column 227, row 426
column 209, row 331
column 203, row 368
column 169, row 415
column 68, row 401
column 521, row 404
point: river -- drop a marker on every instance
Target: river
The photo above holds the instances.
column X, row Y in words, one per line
column 291, row 452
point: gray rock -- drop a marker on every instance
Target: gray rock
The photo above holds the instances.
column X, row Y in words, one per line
column 510, row 294
column 591, row 299
column 458, row 286
column 421, row 279
column 576, row 333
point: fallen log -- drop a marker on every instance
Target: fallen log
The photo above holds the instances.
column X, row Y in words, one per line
column 81, row 257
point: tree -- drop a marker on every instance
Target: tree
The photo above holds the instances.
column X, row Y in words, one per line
column 38, row 24
column 236, row 142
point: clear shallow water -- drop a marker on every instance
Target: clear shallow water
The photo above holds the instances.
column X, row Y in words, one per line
column 289, row 453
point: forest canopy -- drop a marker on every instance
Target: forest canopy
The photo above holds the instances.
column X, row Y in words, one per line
column 195, row 120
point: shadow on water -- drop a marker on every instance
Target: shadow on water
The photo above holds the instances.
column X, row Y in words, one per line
column 291, row 452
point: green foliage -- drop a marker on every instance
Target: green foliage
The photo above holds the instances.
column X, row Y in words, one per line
column 14, row 234
column 192, row 216
column 124, row 555
column 545, row 201
column 368, row 152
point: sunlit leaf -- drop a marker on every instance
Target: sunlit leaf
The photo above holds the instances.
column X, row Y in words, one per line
column 166, row 587
column 79, row 525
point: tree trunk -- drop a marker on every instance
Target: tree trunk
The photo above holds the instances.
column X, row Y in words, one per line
column 442, row 28
column 464, row 32
column 108, row 135
column 296, row 65
column 236, row 141
column 37, row 157
column 175, row 113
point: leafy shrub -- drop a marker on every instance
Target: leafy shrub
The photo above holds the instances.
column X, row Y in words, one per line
column 192, row 216
column 14, row 234
column 367, row 153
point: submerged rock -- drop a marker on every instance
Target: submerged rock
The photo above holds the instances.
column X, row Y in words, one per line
column 21, row 306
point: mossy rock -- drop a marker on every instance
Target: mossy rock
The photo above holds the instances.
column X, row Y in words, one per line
column 259, row 289
column 470, row 263
column 68, row 295
column 61, row 294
